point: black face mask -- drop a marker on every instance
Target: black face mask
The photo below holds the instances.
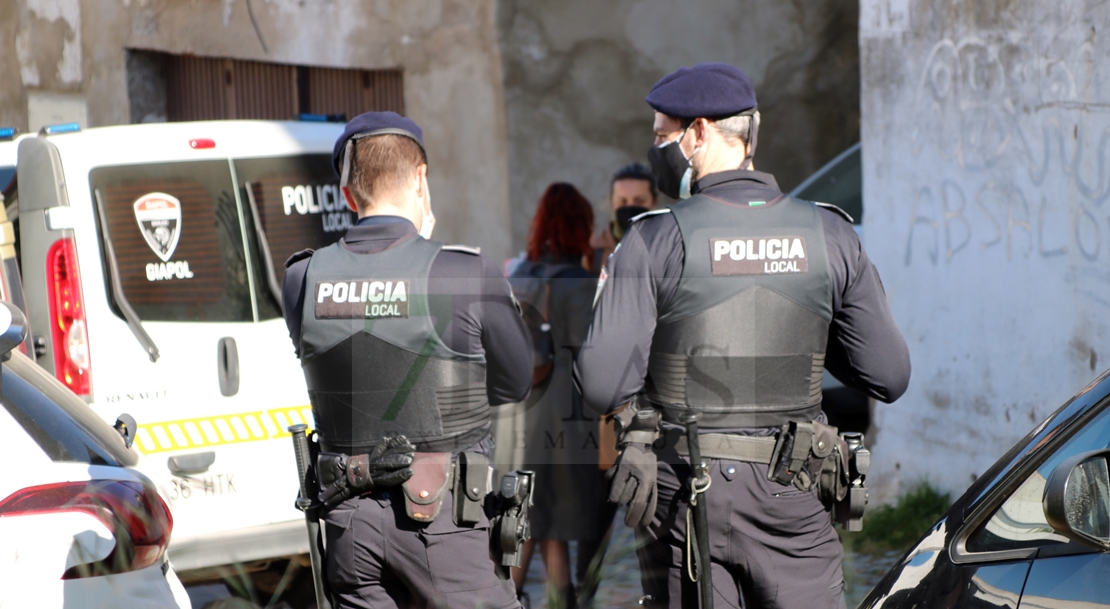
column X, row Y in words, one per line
column 670, row 168
column 624, row 218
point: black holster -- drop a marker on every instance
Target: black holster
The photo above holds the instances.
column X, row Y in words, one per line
column 814, row 454
column 509, row 525
column 847, row 512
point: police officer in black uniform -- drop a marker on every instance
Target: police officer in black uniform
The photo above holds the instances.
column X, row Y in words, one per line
column 730, row 304
column 405, row 345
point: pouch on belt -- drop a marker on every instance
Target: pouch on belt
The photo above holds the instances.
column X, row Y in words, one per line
column 473, row 481
column 810, row 454
column 424, row 491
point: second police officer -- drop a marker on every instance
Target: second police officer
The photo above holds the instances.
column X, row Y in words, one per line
column 405, row 345
column 730, row 304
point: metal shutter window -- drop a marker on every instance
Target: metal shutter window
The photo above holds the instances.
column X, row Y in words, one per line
column 207, row 88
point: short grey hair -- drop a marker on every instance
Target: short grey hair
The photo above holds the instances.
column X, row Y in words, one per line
column 737, row 128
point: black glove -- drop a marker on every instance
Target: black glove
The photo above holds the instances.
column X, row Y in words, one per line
column 632, row 480
column 386, row 465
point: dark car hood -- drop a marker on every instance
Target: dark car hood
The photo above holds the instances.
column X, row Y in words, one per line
column 935, row 545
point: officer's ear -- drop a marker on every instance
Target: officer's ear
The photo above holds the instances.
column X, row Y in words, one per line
column 421, row 181
column 700, row 127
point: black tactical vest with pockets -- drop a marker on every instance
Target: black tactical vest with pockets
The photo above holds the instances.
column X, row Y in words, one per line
column 743, row 340
column 372, row 355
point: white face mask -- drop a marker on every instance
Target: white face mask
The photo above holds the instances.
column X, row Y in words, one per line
column 688, row 175
column 684, row 184
column 427, row 223
column 427, row 219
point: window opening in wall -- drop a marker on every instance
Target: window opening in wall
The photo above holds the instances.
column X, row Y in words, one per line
column 166, row 87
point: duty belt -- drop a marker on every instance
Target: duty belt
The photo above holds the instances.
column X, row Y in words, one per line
column 750, row 449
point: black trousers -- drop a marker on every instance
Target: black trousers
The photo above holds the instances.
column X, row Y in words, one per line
column 771, row 546
column 378, row 557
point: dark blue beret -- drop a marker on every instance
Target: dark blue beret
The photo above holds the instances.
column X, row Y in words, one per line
column 369, row 124
column 711, row 90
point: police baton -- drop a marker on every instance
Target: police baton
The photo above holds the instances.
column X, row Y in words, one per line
column 311, row 509
column 699, row 483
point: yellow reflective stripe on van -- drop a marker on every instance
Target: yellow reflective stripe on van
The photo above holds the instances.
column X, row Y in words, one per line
column 217, row 430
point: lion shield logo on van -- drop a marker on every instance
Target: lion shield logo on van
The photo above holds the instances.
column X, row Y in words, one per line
column 159, row 218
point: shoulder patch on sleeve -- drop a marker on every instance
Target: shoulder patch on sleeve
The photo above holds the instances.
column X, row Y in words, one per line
column 466, row 249
column 837, row 211
column 301, row 255
column 654, row 212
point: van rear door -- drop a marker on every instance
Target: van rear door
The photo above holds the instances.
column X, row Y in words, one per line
column 222, row 387
column 185, row 246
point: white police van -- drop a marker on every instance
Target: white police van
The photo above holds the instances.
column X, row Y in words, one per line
column 152, row 257
column 11, row 289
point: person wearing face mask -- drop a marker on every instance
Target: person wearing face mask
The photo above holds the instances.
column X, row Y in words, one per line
column 632, row 192
column 406, row 344
column 729, row 305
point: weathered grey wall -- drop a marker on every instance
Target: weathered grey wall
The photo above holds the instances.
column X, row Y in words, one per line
column 986, row 177
column 577, row 71
column 13, row 101
column 447, row 49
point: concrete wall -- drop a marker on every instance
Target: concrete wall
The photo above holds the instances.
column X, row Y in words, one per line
column 575, row 76
column 986, row 177
column 447, row 49
column 577, row 71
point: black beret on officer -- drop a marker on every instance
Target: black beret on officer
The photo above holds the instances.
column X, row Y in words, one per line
column 711, row 90
column 370, row 124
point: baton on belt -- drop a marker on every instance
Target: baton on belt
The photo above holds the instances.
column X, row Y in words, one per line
column 311, row 509
column 699, row 483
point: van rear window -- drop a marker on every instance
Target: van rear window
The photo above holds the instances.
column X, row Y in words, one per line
column 177, row 239
column 299, row 203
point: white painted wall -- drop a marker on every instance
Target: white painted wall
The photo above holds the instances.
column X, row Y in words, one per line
column 986, row 154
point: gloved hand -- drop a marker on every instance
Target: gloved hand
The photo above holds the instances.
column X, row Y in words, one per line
column 386, row 465
column 632, row 482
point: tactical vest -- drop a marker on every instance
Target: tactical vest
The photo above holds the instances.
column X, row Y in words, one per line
column 372, row 355
column 744, row 339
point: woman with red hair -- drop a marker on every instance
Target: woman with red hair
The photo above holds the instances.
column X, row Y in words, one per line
column 550, row 432
column 562, row 227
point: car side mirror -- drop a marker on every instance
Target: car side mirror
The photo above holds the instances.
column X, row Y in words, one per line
column 13, row 329
column 126, row 426
column 1076, row 499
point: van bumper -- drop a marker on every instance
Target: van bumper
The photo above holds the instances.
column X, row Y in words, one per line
column 276, row 540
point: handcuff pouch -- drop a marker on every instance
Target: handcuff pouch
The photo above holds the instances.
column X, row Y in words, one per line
column 424, row 491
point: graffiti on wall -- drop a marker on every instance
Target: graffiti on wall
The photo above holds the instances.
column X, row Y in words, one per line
column 1029, row 132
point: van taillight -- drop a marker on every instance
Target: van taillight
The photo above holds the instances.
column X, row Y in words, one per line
column 67, row 318
column 134, row 513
